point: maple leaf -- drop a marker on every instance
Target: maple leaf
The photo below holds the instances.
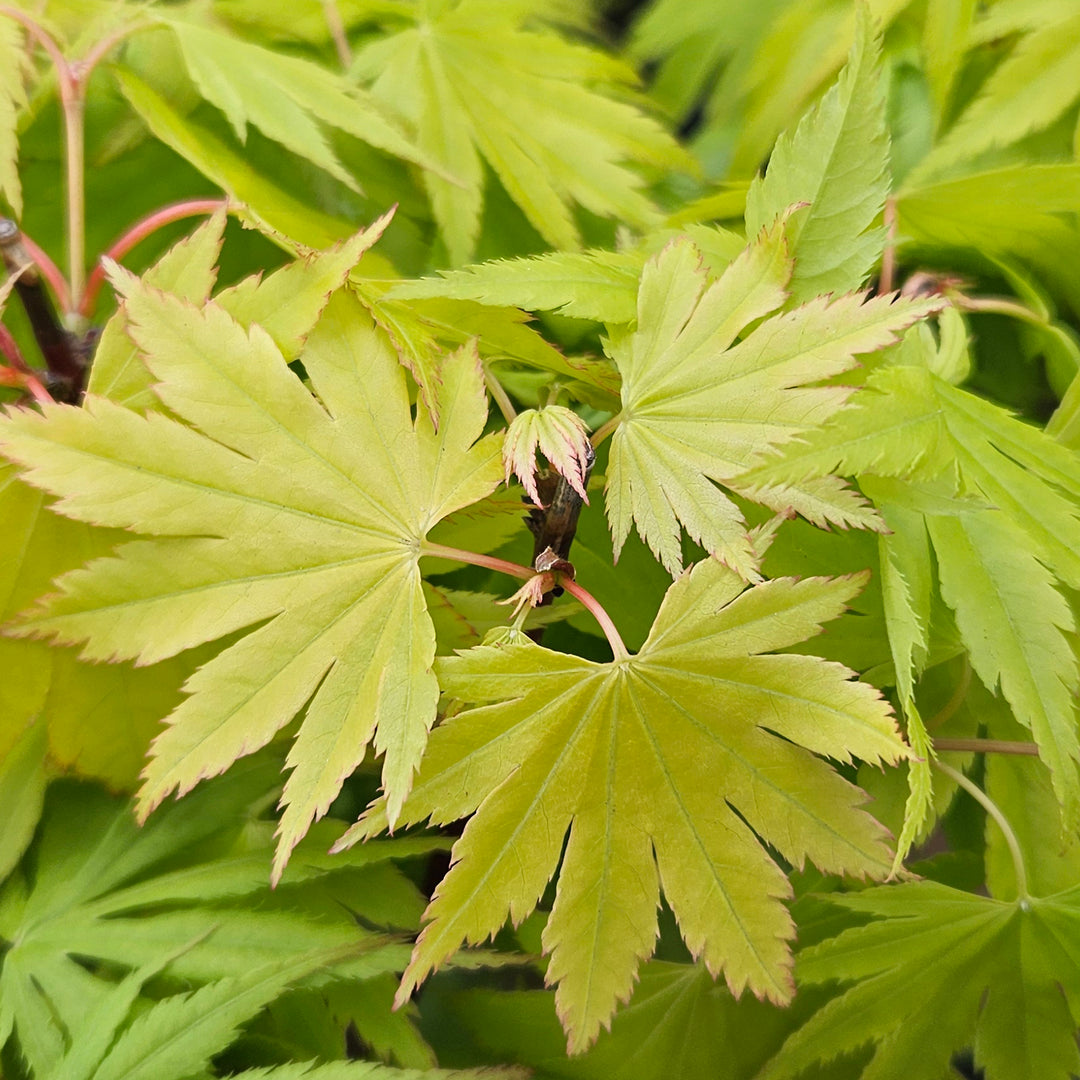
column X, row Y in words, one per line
column 560, row 435
column 692, row 39
column 286, row 97
column 672, row 755
column 698, row 405
column 998, row 560
column 599, row 285
column 1028, row 91
column 14, row 67
column 298, row 515
column 480, row 87
column 422, row 329
column 837, row 161
column 999, row 977
column 188, row 891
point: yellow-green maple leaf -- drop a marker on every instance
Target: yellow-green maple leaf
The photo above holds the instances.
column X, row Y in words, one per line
column 14, row 66
column 296, row 517
column 481, row 87
column 698, row 404
column 662, row 766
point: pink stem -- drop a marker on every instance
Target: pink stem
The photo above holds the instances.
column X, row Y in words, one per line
column 99, row 51
column 38, row 391
column 588, row 601
column 9, row 348
column 139, row 232
column 50, row 272
column 440, row 551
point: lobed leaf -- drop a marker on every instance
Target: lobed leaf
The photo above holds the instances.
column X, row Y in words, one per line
column 1031, row 88
column 992, row 975
column 698, row 405
column 598, row 285
column 297, row 515
column 999, row 564
column 14, row 68
column 837, row 160
column 287, row 98
column 480, row 87
column 630, row 759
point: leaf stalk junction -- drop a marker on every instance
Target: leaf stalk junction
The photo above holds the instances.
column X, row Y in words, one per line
column 525, row 573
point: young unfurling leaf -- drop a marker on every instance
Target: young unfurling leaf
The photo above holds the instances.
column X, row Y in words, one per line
column 560, row 435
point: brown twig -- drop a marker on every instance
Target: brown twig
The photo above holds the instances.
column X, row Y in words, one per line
column 66, row 355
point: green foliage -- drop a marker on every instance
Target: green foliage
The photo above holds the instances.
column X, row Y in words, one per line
column 12, row 99
column 481, row 87
column 1001, row 977
column 837, row 163
column 337, row 553
column 777, row 300
column 183, row 898
column 698, row 403
column 643, row 732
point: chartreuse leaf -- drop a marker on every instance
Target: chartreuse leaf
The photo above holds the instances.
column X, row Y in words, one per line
column 286, row 305
column 999, row 562
column 1030, row 89
column 1015, row 624
column 837, row 160
column 257, row 196
column 421, row 329
column 187, row 891
column 691, row 39
column 1002, row 978
column 698, row 404
column 289, row 302
column 187, row 270
column 801, row 49
column 598, row 285
column 656, row 765
column 14, row 67
column 906, row 592
column 944, row 42
column 286, row 98
column 22, row 791
column 361, row 1070
column 100, row 720
column 481, row 87
column 1015, row 210
column 299, row 515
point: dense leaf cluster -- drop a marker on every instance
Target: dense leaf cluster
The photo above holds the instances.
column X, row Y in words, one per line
column 740, row 340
